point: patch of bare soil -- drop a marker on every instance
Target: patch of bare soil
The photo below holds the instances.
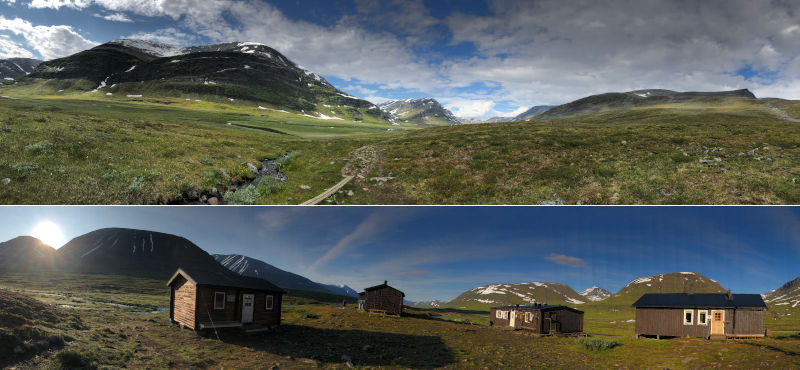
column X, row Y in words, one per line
column 361, row 162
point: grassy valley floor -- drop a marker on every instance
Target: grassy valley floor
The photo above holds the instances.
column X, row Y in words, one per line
column 92, row 149
column 121, row 327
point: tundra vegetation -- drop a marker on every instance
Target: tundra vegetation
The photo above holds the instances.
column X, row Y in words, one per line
column 73, row 147
column 107, row 321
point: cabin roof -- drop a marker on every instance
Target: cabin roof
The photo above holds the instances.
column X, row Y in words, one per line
column 544, row 307
column 715, row 300
column 224, row 278
column 380, row 286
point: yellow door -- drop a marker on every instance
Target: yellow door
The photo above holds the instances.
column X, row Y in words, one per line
column 717, row 322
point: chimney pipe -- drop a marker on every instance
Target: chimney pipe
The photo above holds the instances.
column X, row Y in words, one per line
column 729, row 296
column 385, row 282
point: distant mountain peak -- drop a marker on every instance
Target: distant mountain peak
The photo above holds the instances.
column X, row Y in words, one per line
column 595, row 293
column 426, row 111
column 249, row 266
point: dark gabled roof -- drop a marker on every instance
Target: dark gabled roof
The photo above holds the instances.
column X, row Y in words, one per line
column 380, row 286
column 711, row 300
column 225, row 278
column 544, row 307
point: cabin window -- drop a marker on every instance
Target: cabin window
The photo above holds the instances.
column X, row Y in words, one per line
column 688, row 317
column 219, row 300
column 702, row 317
column 269, row 301
column 528, row 317
column 498, row 314
column 505, row 314
column 502, row 315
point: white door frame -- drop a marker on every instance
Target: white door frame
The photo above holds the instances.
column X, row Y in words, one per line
column 513, row 319
column 247, row 311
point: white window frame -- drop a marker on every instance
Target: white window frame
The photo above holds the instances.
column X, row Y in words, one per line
column 215, row 300
column 270, row 302
column 505, row 314
column 691, row 317
column 704, row 312
column 528, row 316
column 498, row 314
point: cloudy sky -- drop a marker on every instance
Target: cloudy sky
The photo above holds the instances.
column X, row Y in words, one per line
column 439, row 252
column 479, row 58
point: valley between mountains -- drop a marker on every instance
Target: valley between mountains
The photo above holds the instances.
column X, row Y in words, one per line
column 99, row 301
column 138, row 122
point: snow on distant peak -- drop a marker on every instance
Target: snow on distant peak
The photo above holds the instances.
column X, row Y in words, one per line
column 151, row 47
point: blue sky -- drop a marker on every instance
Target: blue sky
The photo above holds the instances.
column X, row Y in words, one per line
column 439, row 252
column 480, row 58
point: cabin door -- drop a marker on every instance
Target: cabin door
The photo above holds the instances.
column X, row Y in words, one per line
column 717, row 322
column 247, row 308
column 513, row 319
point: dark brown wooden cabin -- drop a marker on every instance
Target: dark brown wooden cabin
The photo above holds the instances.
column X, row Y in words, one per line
column 539, row 318
column 714, row 315
column 202, row 300
column 381, row 298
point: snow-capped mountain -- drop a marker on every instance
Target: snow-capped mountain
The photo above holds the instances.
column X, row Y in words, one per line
column 13, row 68
column 532, row 113
column 787, row 295
column 423, row 111
column 676, row 282
column 521, row 293
column 252, row 267
column 231, row 73
column 134, row 252
column 595, row 293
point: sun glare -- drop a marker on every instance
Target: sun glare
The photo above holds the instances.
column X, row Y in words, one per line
column 49, row 233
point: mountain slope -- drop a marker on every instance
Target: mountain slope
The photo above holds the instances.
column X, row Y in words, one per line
column 638, row 98
column 134, row 252
column 787, row 295
column 237, row 70
column 422, row 111
column 522, row 293
column 676, row 282
column 252, row 267
column 595, row 293
column 26, row 254
column 12, row 69
column 533, row 112
column 427, row 304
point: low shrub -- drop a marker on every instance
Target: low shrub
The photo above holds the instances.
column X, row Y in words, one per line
column 597, row 344
column 41, row 147
column 286, row 160
column 246, row 196
column 268, row 185
column 70, row 359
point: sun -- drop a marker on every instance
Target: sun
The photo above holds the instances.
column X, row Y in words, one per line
column 49, row 233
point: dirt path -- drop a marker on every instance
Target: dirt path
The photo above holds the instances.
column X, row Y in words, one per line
column 327, row 193
column 782, row 114
column 360, row 163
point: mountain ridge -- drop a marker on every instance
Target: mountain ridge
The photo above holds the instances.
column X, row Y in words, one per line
column 249, row 266
column 423, row 111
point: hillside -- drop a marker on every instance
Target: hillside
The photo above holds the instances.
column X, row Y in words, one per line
column 227, row 72
column 26, row 253
column 534, row 112
column 133, row 252
column 639, row 98
column 12, row 69
column 676, row 282
column 427, row 304
column 422, row 111
column 787, row 295
column 252, row 267
column 522, row 293
column 595, row 293
column 28, row 326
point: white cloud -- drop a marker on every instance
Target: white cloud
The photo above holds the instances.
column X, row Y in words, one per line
column 10, row 49
column 49, row 41
column 468, row 108
column 56, row 4
column 115, row 17
column 515, row 113
column 169, row 35
column 563, row 259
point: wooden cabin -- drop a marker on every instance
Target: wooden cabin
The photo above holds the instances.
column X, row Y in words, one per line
column 714, row 315
column 539, row 318
column 381, row 298
column 202, row 300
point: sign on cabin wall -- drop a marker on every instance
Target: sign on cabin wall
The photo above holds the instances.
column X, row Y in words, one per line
column 231, row 298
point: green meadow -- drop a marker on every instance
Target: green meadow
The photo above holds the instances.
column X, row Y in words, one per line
column 108, row 321
column 71, row 147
